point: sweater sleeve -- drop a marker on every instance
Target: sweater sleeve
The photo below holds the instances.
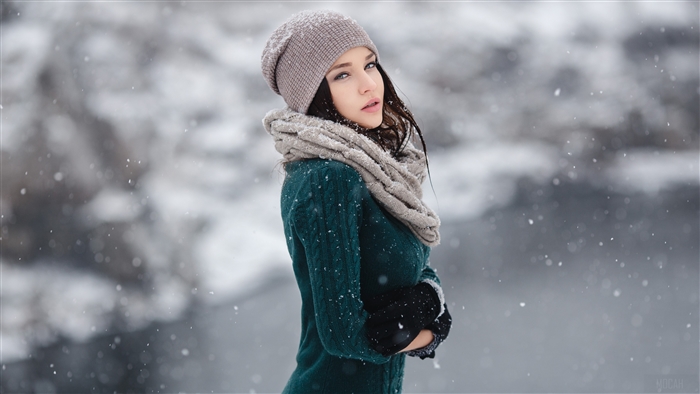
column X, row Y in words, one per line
column 429, row 276
column 327, row 220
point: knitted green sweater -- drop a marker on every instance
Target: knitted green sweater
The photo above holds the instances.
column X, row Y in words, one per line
column 344, row 248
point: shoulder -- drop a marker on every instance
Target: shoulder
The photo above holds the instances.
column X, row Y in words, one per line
column 319, row 181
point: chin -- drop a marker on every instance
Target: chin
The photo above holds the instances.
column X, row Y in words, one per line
column 371, row 123
column 370, row 126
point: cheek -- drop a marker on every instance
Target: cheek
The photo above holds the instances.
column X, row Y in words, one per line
column 377, row 77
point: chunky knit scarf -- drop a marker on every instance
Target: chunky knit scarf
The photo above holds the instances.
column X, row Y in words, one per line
column 394, row 182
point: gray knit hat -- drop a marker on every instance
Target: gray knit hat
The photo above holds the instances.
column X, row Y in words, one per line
column 299, row 53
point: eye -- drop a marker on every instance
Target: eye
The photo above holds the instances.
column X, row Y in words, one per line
column 371, row 65
column 340, row 76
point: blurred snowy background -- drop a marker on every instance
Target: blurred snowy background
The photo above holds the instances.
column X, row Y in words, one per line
column 140, row 193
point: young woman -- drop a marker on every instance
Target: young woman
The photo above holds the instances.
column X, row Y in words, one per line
column 357, row 231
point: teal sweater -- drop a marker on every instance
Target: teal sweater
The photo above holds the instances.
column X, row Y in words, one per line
column 344, row 248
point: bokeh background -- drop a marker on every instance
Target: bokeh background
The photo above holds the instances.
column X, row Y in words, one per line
column 142, row 247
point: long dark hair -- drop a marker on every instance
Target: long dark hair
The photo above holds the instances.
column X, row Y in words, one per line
column 397, row 125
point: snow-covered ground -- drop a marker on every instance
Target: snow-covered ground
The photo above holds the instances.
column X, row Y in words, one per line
column 135, row 127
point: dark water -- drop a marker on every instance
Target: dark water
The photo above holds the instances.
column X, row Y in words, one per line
column 620, row 310
column 570, row 290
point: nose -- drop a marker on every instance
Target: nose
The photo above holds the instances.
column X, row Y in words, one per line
column 367, row 84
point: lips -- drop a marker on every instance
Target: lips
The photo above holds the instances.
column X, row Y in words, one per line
column 372, row 105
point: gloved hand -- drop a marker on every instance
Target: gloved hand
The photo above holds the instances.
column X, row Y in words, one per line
column 440, row 328
column 397, row 317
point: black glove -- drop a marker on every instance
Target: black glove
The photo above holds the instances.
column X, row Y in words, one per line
column 397, row 317
column 440, row 328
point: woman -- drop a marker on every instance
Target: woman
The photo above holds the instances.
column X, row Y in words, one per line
column 357, row 231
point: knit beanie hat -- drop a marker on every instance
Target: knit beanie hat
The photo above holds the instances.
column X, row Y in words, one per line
column 300, row 52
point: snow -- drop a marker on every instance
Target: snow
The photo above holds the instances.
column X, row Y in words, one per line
column 25, row 51
column 237, row 252
column 471, row 180
column 47, row 302
column 651, row 171
column 504, row 92
column 113, row 205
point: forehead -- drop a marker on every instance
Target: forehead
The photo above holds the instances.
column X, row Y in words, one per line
column 356, row 54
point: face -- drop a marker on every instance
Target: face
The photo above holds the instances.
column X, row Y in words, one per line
column 357, row 87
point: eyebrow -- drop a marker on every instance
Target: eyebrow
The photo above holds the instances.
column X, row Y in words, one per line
column 347, row 64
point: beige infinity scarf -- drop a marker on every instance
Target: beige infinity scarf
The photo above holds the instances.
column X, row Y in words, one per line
column 394, row 182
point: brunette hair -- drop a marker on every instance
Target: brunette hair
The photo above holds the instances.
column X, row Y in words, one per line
column 397, row 125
